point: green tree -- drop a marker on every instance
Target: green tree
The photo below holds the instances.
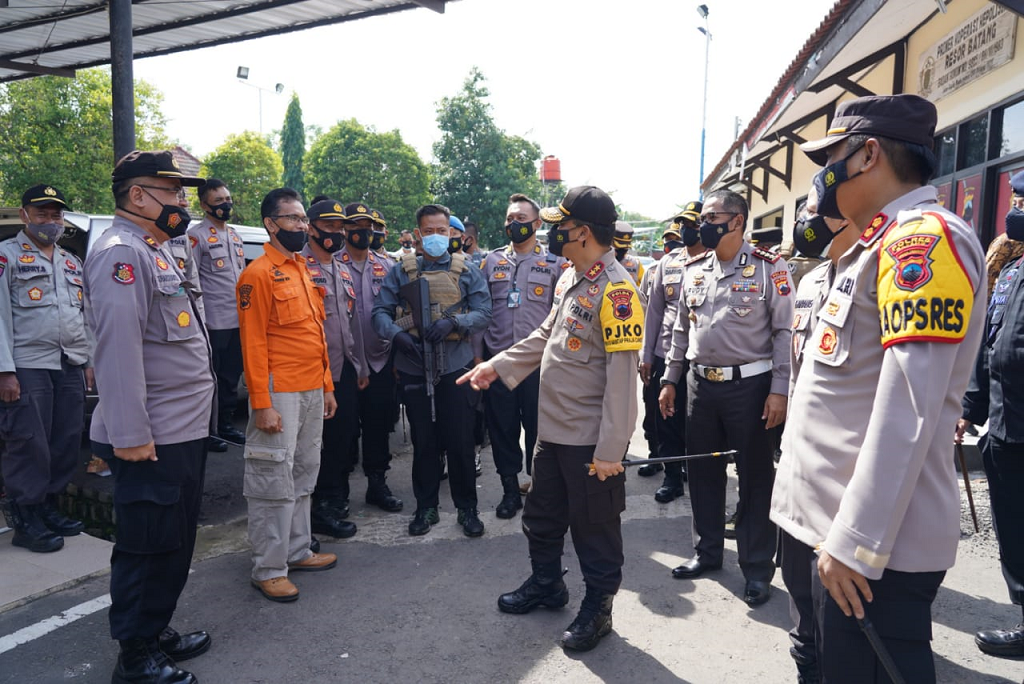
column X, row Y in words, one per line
column 355, row 163
column 59, row 131
column 250, row 167
column 293, row 146
column 477, row 164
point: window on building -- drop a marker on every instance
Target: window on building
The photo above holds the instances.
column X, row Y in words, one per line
column 945, row 152
column 1012, row 133
column 973, row 142
column 772, row 219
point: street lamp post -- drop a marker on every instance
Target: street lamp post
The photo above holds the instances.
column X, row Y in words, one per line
column 243, row 77
column 702, row 10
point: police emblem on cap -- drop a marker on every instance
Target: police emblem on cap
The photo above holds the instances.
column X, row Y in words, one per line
column 375, row 214
column 361, row 209
column 337, row 207
column 174, row 163
column 50, row 191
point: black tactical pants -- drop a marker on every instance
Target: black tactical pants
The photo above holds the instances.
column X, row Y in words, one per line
column 43, row 432
column 507, row 410
column 452, row 432
column 227, row 364
column 565, row 498
column 1004, row 467
column 377, row 406
column 727, row 415
column 901, row 614
column 671, row 431
column 798, row 561
column 157, row 508
column 336, row 455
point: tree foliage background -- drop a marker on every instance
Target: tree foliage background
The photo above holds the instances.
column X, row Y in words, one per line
column 59, row 131
column 355, row 163
column 293, row 147
column 477, row 165
column 250, row 167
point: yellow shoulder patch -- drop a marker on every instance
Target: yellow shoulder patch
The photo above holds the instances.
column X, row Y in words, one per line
column 924, row 293
column 622, row 317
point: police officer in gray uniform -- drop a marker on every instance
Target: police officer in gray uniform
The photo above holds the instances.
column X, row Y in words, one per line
column 220, row 256
column 348, row 367
column 460, row 306
column 734, row 334
column 155, row 375
column 43, row 353
column 521, row 279
column 662, row 310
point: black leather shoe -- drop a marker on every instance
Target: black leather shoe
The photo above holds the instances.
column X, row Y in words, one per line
column 511, row 499
column 314, row 544
column 142, row 662
column 328, row 521
column 649, row 469
column 470, row 521
column 423, row 520
column 30, row 531
column 757, row 592
column 1004, row 643
column 180, row 647
column 545, row 587
column 58, row 522
column 693, row 568
column 592, row 623
column 730, row 526
column 379, row 494
column 231, row 434
column 216, row 445
column 671, row 489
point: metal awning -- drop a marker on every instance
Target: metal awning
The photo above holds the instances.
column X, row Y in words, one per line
column 55, row 37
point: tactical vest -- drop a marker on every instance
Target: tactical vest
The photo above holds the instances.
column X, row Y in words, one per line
column 445, row 293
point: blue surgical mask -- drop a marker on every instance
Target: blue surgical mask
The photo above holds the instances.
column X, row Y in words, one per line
column 435, row 245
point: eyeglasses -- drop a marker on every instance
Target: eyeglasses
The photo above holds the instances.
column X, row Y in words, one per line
column 52, row 216
column 180, row 193
column 712, row 216
column 292, row 219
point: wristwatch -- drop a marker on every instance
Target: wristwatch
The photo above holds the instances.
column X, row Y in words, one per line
column 665, row 381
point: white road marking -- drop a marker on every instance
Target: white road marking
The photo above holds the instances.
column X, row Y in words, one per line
column 44, row 627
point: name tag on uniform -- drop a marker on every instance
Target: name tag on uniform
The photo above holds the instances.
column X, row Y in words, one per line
column 513, row 298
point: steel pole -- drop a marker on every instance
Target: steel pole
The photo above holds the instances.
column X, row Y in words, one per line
column 122, row 84
column 704, row 110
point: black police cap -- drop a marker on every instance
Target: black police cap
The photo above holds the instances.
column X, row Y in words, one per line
column 155, row 164
column 584, row 203
column 39, row 195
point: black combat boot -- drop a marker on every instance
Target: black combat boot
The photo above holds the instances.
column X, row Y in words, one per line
column 671, row 488
column 379, row 494
column 593, row 622
column 142, row 662
column 327, row 520
column 511, row 500
column 57, row 521
column 30, row 531
column 544, row 587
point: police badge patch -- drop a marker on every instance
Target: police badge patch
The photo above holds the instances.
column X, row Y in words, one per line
column 124, row 273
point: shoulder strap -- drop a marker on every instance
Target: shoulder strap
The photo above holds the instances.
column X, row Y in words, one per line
column 410, row 266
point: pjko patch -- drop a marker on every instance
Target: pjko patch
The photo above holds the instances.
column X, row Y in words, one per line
column 124, row 273
column 622, row 318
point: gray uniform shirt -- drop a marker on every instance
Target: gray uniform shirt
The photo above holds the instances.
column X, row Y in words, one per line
column 221, row 258
column 40, row 307
column 522, row 287
column 665, row 280
column 587, row 350
column 367, row 278
column 810, row 296
column 153, row 360
column 867, row 469
column 733, row 314
column 180, row 249
column 344, row 338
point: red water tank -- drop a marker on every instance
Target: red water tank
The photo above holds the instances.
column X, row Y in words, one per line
column 550, row 169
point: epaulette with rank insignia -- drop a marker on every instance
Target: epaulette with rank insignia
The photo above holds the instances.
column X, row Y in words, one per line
column 770, row 257
column 702, row 255
column 874, row 229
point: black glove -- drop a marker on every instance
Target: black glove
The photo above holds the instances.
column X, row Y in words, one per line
column 407, row 345
column 439, row 330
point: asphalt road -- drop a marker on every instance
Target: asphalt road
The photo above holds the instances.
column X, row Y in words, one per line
column 403, row 609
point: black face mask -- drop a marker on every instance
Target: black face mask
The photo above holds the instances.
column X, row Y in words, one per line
column 376, row 240
column 827, row 182
column 691, row 236
column 558, row 238
column 672, row 245
column 292, row 240
column 358, row 238
column 519, row 232
column 812, row 236
column 329, row 242
column 620, row 253
column 454, row 245
column 222, row 211
column 1015, row 224
column 172, row 220
column 406, row 245
column 711, row 233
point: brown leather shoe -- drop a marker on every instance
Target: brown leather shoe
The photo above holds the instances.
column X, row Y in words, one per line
column 315, row 563
column 278, row 589
column 525, row 487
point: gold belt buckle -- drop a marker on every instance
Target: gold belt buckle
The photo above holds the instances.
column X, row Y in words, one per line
column 714, row 374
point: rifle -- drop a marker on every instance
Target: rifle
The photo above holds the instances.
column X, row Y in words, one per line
column 417, row 294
